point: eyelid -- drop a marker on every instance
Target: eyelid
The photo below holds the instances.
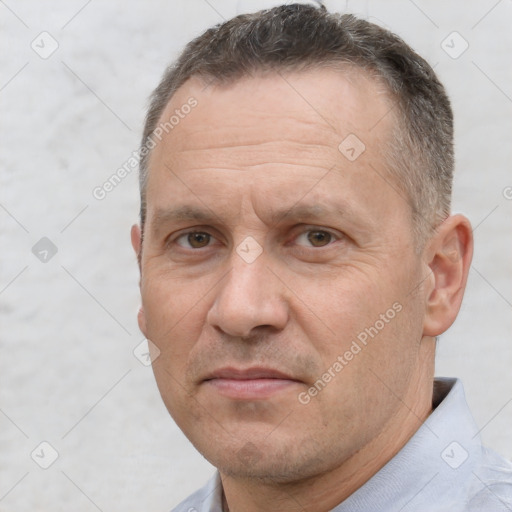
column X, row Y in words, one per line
column 213, row 233
column 184, row 236
column 337, row 235
column 173, row 237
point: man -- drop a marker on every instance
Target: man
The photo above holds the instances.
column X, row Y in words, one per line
column 298, row 260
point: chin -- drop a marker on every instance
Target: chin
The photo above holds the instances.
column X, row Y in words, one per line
column 269, row 463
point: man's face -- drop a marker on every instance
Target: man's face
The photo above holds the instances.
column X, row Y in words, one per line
column 279, row 274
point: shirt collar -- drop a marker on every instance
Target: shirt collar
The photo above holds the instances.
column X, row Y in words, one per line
column 433, row 470
column 213, row 495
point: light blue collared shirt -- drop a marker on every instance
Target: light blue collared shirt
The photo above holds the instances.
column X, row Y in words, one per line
column 442, row 468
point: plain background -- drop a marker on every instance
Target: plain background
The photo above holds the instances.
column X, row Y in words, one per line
column 68, row 325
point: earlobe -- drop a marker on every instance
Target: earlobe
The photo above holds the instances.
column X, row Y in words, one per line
column 450, row 250
column 141, row 319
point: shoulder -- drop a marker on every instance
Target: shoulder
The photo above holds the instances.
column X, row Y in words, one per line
column 206, row 499
column 192, row 504
column 492, row 486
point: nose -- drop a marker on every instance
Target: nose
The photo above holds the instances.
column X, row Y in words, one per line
column 250, row 297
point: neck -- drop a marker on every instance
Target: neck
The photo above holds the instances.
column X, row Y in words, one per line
column 326, row 491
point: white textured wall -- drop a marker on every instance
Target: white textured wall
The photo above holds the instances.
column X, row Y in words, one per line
column 68, row 328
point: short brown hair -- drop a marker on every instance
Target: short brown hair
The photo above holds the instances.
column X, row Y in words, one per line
column 293, row 37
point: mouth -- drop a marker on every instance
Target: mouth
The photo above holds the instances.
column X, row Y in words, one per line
column 249, row 384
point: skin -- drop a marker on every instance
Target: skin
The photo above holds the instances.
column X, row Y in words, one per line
column 259, row 158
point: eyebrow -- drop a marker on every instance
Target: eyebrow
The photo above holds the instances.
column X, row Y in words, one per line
column 311, row 212
column 202, row 215
column 183, row 213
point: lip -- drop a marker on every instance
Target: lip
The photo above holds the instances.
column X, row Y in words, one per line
column 254, row 383
column 255, row 372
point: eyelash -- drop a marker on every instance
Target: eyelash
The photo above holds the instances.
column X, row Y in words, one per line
column 334, row 237
column 195, row 232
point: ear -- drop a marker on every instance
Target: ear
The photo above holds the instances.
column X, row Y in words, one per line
column 449, row 254
column 136, row 241
column 141, row 320
column 137, row 247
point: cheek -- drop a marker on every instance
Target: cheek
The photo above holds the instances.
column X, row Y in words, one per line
column 367, row 319
column 174, row 318
column 336, row 311
column 174, row 322
column 364, row 375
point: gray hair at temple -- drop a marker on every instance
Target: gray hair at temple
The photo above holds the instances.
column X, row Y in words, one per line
column 419, row 155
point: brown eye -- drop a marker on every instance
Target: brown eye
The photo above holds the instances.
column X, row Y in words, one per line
column 198, row 240
column 319, row 238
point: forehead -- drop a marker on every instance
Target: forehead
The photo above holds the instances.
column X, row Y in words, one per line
column 271, row 136
column 334, row 102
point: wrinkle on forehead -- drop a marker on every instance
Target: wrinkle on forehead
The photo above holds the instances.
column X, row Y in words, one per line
column 286, row 130
column 321, row 105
